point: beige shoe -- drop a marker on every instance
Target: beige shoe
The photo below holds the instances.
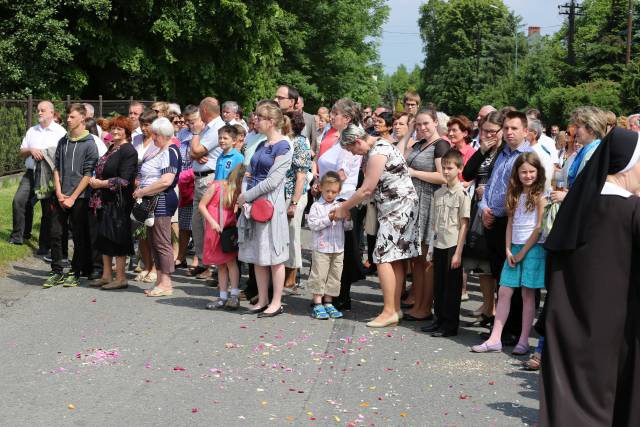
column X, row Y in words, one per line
column 140, row 276
column 150, row 278
column 391, row 321
column 157, row 292
column 116, row 284
column 99, row 282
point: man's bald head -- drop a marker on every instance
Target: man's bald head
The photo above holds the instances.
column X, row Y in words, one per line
column 45, row 113
column 209, row 109
column 484, row 112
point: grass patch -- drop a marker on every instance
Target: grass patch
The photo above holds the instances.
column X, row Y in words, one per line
column 11, row 253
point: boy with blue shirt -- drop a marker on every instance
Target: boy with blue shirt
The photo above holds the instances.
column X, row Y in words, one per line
column 230, row 157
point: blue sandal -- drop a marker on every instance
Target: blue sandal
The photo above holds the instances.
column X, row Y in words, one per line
column 319, row 312
column 332, row 311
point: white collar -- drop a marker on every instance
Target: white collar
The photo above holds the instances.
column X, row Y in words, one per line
column 635, row 157
column 611, row 189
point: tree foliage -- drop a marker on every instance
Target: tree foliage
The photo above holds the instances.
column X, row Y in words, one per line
column 456, row 77
column 185, row 49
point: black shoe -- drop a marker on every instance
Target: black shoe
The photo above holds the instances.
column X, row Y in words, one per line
column 258, row 310
column 15, row 242
column 409, row 318
column 274, row 314
column 95, row 275
column 443, row 334
column 341, row 305
column 42, row 252
column 484, row 321
column 509, row 339
column 26, row 237
column 435, row 326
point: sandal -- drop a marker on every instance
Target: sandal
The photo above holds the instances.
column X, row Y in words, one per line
column 319, row 312
column 141, row 275
column 181, row 264
column 157, row 292
column 150, row 278
column 520, row 349
column 196, row 271
column 332, row 311
column 533, row 364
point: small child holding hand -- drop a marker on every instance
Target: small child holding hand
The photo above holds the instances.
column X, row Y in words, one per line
column 328, row 248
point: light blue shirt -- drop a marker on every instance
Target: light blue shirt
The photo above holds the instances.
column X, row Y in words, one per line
column 227, row 162
column 209, row 140
column 495, row 193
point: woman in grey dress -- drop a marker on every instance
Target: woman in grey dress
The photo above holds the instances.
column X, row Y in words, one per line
column 266, row 245
column 387, row 180
column 425, row 168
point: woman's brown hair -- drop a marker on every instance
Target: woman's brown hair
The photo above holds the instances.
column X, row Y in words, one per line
column 516, row 188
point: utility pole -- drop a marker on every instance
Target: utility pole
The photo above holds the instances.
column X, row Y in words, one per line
column 629, row 31
column 571, row 9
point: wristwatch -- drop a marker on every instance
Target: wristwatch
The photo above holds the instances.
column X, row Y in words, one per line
column 195, row 133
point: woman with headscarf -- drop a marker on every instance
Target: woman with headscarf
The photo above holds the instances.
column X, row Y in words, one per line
column 591, row 360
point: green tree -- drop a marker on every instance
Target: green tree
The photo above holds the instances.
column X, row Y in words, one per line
column 469, row 45
column 332, row 50
column 630, row 87
column 394, row 86
column 35, row 47
column 558, row 103
column 601, row 40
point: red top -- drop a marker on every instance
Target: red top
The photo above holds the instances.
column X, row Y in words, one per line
column 329, row 140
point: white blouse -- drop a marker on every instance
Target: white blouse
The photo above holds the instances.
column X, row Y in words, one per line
column 337, row 158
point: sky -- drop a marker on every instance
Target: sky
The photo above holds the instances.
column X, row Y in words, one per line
column 401, row 44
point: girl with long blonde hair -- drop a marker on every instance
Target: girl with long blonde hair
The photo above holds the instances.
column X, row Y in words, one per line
column 218, row 208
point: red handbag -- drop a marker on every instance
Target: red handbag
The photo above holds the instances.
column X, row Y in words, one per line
column 261, row 210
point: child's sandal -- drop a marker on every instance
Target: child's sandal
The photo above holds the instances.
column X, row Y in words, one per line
column 332, row 311
column 319, row 312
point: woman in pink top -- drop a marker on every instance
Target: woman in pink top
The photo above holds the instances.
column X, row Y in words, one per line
column 459, row 133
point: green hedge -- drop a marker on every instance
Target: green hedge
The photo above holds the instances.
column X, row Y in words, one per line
column 12, row 130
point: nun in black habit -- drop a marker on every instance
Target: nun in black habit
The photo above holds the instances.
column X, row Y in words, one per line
column 591, row 360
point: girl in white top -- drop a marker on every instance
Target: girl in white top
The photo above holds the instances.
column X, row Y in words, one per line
column 525, row 264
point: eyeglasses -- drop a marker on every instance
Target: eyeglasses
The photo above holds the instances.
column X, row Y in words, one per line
column 490, row 132
column 280, row 98
column 178, row 122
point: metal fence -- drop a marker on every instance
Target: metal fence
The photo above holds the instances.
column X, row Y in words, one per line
column 18, row 115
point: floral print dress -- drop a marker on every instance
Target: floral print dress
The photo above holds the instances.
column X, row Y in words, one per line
column 397, row 204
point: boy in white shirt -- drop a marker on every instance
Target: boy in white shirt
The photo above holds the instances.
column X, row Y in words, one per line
column 328, row 248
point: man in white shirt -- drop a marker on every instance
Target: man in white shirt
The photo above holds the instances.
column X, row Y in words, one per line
column 204, row 152
column 535, row 130
column 547, row 142
column 38, row 138
column 135, row 109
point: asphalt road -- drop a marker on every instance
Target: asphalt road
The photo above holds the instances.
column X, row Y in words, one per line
column 82, row 356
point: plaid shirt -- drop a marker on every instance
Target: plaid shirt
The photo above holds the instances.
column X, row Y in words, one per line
column 495, row 193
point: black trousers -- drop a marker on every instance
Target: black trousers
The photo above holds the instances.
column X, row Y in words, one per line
column 352, row 255
column 96, row 256
column 23, row 203
column 82, row 263
column 447, row 290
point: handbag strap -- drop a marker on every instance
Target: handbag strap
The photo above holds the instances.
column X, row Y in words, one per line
column 221, row 216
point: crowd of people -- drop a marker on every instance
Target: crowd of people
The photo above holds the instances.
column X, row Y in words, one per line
column 416, row 197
